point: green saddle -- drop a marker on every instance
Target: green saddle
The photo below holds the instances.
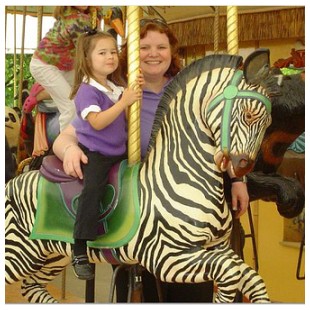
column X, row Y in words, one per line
column 54, row 220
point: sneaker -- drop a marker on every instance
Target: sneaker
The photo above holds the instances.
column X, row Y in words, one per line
column 82, row 268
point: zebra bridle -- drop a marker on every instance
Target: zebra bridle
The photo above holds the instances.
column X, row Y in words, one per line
column 229, row 95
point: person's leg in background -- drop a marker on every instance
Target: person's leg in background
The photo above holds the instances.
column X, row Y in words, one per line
column 58, row 84
column 171, row 292
column 122, row 285
column 196, row 292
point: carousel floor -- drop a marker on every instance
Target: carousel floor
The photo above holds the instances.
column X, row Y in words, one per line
column 72, row 291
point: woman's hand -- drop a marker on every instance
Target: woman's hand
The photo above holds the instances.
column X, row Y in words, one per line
column 66, row 148
column 239, row 194
column 72, row 158
column 239, row 198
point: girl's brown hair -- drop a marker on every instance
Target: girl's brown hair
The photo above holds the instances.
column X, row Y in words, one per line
column 175, row 65
column 82, row 71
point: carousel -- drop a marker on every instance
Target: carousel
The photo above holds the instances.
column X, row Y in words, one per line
column 157, row 215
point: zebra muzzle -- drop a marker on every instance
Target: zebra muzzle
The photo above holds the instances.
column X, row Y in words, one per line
column 242, row 164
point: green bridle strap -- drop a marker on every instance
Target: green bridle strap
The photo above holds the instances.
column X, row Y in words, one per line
column 230, row 94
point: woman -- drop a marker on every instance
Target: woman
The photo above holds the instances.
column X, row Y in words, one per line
column 159, row 62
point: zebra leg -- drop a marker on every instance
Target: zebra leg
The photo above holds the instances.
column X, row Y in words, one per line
column 220, row 264
column 23, row 256
column 199, row 265
column 34, row 288
column 22, row 262
column 226, row 273
column 251, row 284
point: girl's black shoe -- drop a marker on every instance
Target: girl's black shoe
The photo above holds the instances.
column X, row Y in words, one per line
column 82, row 268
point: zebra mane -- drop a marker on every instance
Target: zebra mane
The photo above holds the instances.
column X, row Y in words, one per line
column 180, row 81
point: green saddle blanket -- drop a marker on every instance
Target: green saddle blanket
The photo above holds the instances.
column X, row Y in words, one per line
column 53, row 221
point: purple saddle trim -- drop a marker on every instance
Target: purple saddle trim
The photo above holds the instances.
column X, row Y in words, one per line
column 52, row 170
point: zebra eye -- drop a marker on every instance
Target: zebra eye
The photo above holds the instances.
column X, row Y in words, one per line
column 248, row 117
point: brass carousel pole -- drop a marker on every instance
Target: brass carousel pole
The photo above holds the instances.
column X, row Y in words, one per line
column 40, row 20
column 93, row 12
column 21, row 74
column 5, row 26
column 21, row 63
column 133, row 43
column 216, row 29
column 90, row 284
column 232, row 48
column 232, row 30
column 134, row 149
column 14, row 63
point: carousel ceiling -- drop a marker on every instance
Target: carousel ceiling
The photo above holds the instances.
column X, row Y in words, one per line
column 169, row 13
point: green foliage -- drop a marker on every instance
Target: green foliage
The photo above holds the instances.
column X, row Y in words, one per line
column 9, row 76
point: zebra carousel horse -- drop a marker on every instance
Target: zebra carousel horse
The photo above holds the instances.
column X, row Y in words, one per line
column 180, row 224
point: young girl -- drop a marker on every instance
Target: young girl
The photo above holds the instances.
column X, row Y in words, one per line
column 101, row 131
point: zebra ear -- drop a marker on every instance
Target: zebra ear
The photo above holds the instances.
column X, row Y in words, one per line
column 257, row 66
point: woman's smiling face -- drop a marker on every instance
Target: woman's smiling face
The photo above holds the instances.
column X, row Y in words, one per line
column 155, row 54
